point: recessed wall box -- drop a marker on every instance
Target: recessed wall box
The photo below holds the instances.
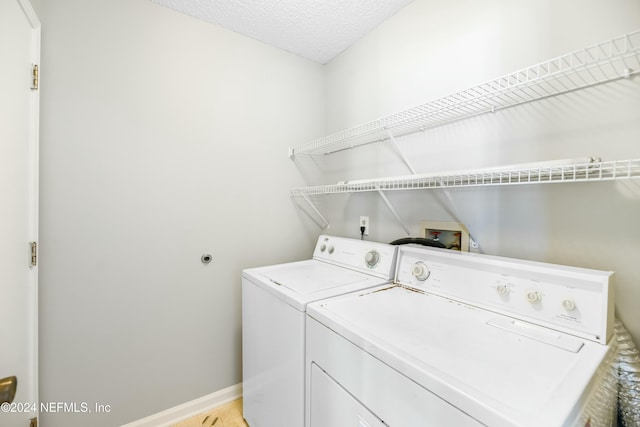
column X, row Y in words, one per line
column 453, row 235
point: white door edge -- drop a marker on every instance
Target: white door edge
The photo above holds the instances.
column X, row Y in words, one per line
column 34, row 167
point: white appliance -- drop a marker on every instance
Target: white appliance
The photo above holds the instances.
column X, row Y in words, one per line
column 274, row 300
column 465, row 340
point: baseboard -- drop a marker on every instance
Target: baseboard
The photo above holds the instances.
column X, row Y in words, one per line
column 189, row 409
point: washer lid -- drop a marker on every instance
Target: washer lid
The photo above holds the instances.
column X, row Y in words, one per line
column 301, row 282
column 310, row 277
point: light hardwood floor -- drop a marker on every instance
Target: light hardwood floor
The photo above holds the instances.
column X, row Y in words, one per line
column 229, row 415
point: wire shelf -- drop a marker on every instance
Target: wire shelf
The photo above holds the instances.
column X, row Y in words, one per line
column 603, row 62
column 576, row 172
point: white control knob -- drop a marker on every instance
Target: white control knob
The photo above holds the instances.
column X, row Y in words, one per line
column 331, row 249
column 533, row 297
column 569, row 305
column 503, row 289
column 372, row 257
column 323, row 247
column 420, row 271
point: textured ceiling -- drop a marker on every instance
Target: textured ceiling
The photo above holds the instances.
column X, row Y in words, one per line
column 314, row 29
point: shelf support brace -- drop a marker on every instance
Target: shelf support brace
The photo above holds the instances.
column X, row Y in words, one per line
column 451, row 209
column 310, row 203
column 393, row 211
column 400, row 153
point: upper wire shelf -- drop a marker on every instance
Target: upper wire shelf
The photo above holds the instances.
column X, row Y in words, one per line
column 517, row 174
column 603, row 62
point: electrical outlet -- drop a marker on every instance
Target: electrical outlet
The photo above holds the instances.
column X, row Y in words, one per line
column 364, row 222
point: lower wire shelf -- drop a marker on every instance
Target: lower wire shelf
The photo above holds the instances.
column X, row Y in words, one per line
column 548, row 172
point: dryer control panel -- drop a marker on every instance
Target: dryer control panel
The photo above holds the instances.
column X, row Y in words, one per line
column 373, row 258
column 573, row 300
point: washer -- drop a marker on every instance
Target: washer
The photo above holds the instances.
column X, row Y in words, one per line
column 465, row 340
column 274, row 300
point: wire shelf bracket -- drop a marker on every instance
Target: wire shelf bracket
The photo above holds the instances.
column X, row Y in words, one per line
column 393, row 212
column 400, row 153
column 313, row 207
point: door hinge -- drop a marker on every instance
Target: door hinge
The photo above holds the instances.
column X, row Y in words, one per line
column 33, row 422
column 36, row 79
column 34, row 254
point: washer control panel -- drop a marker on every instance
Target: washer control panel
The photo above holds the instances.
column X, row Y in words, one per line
column 374, row 258
column 576, row 300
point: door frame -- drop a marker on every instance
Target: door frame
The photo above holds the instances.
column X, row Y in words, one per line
column 33, row 185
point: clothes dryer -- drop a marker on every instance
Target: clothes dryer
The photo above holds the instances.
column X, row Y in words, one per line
column 465, row 340
column 274, row 301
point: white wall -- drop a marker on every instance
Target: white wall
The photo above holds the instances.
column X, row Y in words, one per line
column 433, row 48
column 162, row 138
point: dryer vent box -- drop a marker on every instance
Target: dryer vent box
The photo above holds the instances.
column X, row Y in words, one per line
column 451, row 234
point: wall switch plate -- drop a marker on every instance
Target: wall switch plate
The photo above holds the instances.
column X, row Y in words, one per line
column 364, row 222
